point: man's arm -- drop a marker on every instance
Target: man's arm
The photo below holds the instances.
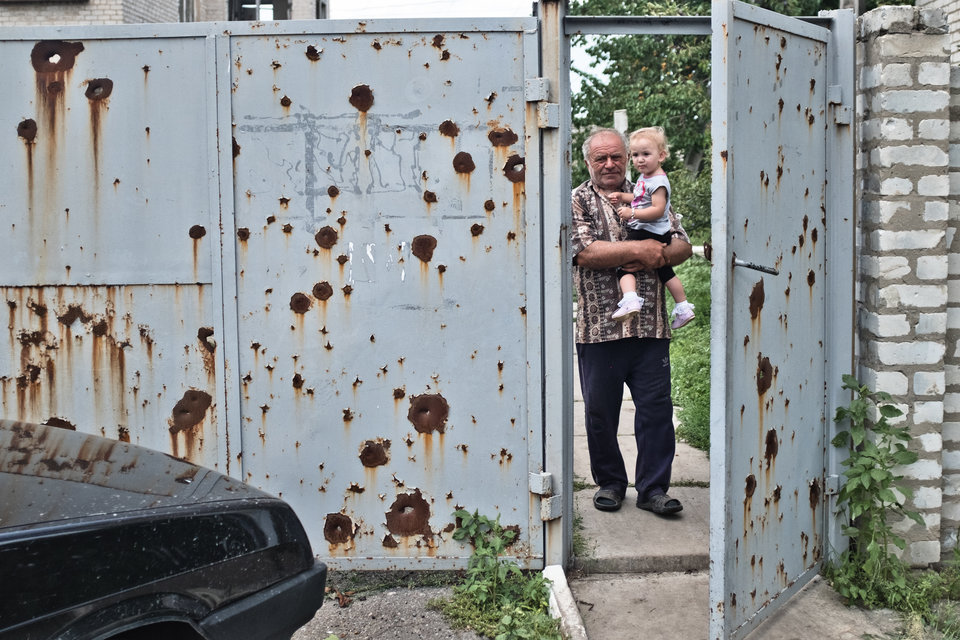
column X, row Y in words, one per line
column 633, row 255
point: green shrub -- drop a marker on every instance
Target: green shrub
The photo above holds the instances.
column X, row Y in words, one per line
column 690, row 358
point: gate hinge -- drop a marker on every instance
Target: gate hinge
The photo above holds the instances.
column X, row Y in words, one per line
column 831, row 485
column 551, row 506
column 842, row 114
column 538, row 90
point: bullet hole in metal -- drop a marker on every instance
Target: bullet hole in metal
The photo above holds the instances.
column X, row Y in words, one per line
column 366, row 153
column 409, row 515
column 361, row 97
column 347, row 415
column 297, row 381
column 811, row 278
column 312, row 53
column 780, row 104
column 243, row 234
column 326, row 237
column 428, row 412
column 390, row 542
column 333, row 191
column 813, row 236
column 423, row 246
column 54, row 55
column 60, row 423
column 376, row 45
column 502, row 137
column 73, row 313
column 99, row 328
column 515, row 169
column 772, row 446
column 813, row 83
column 489, row 205
column 30, row 337
column 438, row 41
column 810, row 118
column 343, row 259
column 398, row 393
column 189, row 410
column 757, row 297
column 750, row 486
column 99, row 89
column 197, row 232
column 746, row 340
column 338, row 528
column 123, row 434
column 445, row 55
column 491, row 97
column 284, row 202
column 386, row 228
column 776, row 494
column 463, row 162
column 441, row 268
column 27, row 129
column 448, row 128
column 429, row 196
column 287, row 228
column 373, row 453
column 800, row 240
column 814, row 493
column 355, row 488
column 285, row 101
column 764, row 374
column 271, row 219
column 300, row 302
column 236, row 147
column 342, row 220
column 205, row 335
column 476, row 230
column 347, row 289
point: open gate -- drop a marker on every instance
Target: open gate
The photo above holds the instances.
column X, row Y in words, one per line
column 782, row 325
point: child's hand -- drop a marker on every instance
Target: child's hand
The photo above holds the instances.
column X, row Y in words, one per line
column 625, row 213
column 614, row 199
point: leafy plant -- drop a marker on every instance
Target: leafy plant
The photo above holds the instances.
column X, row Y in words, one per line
column 869, row 573
column 497, row 598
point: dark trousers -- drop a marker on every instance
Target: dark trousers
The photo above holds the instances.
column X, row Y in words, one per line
column 664, row 273
column 644, row 365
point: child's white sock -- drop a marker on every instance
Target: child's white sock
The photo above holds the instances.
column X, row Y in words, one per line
column 629, row 295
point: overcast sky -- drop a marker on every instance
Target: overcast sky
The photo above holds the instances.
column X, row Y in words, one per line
column 429, row 8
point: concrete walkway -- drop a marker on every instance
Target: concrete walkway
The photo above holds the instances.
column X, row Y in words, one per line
column 644, row 576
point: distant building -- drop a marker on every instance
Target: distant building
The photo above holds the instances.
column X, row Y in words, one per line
column 64, row 12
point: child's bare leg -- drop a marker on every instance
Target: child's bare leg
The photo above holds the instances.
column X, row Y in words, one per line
column 628, row 283
column 673, row 285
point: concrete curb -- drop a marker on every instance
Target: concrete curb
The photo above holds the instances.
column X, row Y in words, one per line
column 563, row 605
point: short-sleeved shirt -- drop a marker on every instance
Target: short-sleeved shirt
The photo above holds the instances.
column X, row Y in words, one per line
column 598, row 290
column 643, row 198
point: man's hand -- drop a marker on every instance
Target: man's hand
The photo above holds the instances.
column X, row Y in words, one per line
column 643, row 255
column 630, row 254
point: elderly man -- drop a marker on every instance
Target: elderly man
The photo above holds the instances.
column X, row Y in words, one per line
column 635, row 352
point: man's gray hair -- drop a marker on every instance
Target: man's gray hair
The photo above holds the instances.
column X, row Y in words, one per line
column 594, row 132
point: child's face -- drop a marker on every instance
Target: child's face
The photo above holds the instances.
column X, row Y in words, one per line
column 646, row 156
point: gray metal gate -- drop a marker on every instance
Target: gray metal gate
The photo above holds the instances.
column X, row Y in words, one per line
column 301, row 252
column 388, row 282
column 783, row 257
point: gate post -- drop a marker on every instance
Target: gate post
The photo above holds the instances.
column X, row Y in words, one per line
column 557, row 298
column 903, row 107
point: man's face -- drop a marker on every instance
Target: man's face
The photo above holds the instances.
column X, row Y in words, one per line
column 607, row 161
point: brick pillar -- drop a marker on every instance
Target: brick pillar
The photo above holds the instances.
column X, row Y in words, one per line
column 903, row 164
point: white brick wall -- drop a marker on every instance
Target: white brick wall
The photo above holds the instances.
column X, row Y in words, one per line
column 904, row 161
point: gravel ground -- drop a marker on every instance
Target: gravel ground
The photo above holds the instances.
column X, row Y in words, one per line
column 384, row 605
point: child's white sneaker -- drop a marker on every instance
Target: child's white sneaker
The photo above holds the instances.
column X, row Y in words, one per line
column 682, row 314
column 628, row 308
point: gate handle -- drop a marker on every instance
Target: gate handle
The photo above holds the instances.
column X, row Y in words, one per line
column 737, row 262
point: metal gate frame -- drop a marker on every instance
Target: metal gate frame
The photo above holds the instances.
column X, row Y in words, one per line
column 841, row 270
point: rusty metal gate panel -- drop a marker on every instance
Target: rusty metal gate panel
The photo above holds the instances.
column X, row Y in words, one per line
column 109, row 219
column 388, row 281
column 776, row 113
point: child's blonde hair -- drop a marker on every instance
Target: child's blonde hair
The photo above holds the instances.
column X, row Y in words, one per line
column 655, row 135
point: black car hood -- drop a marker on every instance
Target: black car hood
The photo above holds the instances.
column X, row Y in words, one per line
column 50, row 474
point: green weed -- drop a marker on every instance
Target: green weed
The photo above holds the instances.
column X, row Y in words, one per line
column 496, row 598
